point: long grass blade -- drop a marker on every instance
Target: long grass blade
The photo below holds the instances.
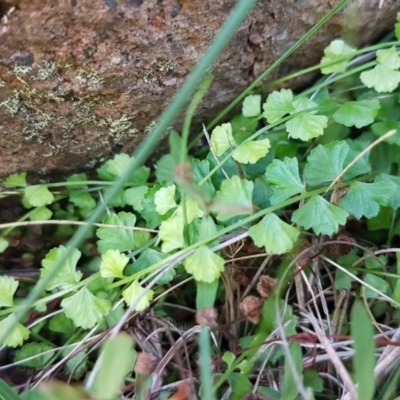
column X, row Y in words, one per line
column 238, row 15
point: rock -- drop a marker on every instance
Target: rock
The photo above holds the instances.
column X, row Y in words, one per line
column 82, row 79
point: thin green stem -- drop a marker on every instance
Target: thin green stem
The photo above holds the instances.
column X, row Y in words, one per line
column 278, row 62
column 145, row 148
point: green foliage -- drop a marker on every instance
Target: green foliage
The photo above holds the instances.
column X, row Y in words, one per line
column 338, row 53
column 320, row 216
column 38, row 195
column 66, row 276
column 121, row 239
column 290, row 166
column 118, row 357
column 137, row 296
column 364, row 351
column 112, row 264
column 275, row 235
column 8, row 286
column 85, row 309
column 204, row 265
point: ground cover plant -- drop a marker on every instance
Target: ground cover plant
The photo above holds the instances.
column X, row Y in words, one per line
column 263, row 265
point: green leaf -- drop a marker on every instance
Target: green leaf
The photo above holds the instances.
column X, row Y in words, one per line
column 18, row 334
column 62, row 324
column 164, row 199
column 148, row 212
column 112, row 264
column 396, row 290
column 357, row 113
column 77, row 364
column 397, row 28
column 8, row 286
column 381, row 128
column 8, row 393
column 171, row 233
column 234, row 198
column 40, row 214
column 78, row 194
column 117, row 360
column 277, row 236
column 335, row 52
column 132, row 293
column 85, row 309
column 381, row 78
column 320, row 215
column 289, row 387
column 148, row 258
column 306, row 126
column 251, row 106
column 362, row 332
column 3, row 244
column 117, row 238
column 222, row 139
column 278, row 104
column 204, row 265
column 165, row 168
column 380, row 284
column 239, row 384
column 284, row 176
column 325, row 162
column 364, row 199
column 313, row 380
column 394, row 201
column 362, row 166
column 269, row 320
column 82, row 200
column 206, row 294
column 251, row 151
column 229, row 358
column 34, row 349
column 15, row 180
column 388, row 57
column 115, row 168
column 201, row 168
column 38, row 195
column 66, row 276
column 134, row 197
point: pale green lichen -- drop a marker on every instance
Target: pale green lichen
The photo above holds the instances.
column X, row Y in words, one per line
column 43, row 124
column 2, row 83
column 11, row 104
column 166, row 65
column 20, row 70
column 46, row 70
column 155, row 73
column 88, row 78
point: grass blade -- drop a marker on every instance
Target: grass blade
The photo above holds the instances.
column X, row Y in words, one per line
column 206, row 369
column 362, row 333
column 7, row 393
column 148, row 144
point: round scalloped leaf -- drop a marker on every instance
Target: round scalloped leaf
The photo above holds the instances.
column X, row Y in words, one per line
column 320, row 215
column 250, row 152
column 222, row 139
column 85, row 309
column 278, row 104
column 132, row 293
column 17, row 335
column 204, row 265
column 112, row 264
column 276, row 236
column 251, row 106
